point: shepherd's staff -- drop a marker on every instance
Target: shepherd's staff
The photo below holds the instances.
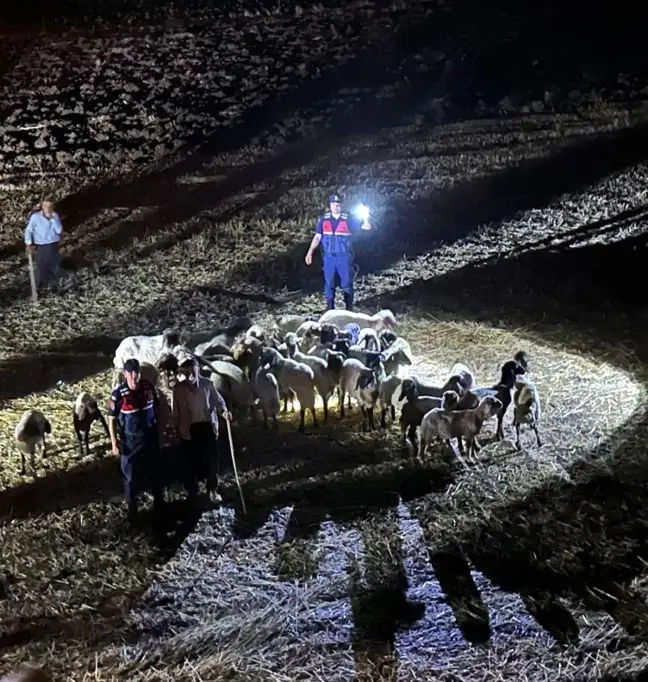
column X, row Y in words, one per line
column 32, row 276
column 236, row 476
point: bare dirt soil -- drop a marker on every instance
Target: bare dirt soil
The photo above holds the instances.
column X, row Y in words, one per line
column 189, row 153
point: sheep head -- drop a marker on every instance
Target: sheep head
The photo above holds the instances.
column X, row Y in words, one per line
column 168, row 362
column 521, row 358
column 489, row 405
column 449, row 400
column 387, row 338
column 385, row 319
column 510, row 370
column 408, row 390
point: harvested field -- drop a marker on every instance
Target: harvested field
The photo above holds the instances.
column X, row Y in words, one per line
column 500, row 225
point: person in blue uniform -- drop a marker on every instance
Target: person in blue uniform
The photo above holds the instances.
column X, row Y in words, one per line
column 133, row 413
column 334, row 231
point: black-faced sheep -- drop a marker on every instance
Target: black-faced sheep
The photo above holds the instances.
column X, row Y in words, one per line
column 85, row 412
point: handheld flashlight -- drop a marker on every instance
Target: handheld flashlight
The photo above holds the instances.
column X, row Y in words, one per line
column 362, row 211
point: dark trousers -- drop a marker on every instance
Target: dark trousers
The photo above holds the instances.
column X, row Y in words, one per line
column 340, row 265
column 201, row 458
column 140, row 466
column 46, row 263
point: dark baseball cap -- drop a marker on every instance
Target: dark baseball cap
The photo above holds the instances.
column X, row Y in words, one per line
column 132, row 365
column 335, row 199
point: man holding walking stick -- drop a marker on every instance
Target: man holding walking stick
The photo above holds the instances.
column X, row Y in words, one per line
column 42, row 237
column 195, row 404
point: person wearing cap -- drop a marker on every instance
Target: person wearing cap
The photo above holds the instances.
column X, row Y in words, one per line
column 334, row 230
column 133, row 422
column 195, row 405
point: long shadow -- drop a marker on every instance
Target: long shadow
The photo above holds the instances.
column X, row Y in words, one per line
column 450, row 215
column 521, row 548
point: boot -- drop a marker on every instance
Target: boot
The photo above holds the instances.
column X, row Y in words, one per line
column 348, row 301
column 132, row 515
column 330, row 302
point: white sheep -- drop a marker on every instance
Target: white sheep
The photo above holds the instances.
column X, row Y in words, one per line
column 462, row 375
column 29, row 433
column 145, row 349
column 266, row 388
column 526, row 407
column 362, row 383
column 389, row 397
column 85, row 412
column 460, row 424
column 293, row 376
column 380, row 320
column 233, row 385
column 326, row 373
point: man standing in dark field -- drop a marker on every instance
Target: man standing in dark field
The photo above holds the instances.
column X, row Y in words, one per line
column 133, row 422
column 42, row 237
column 334, row 231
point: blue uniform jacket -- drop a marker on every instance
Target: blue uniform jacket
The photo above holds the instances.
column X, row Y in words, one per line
column 337, row 233
column 136, row 413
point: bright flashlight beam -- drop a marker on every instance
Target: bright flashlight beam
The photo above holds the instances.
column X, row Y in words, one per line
column 362, row 211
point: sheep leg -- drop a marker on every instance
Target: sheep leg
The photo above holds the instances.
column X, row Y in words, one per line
column 79, row 436
column 535, row 430
column 314, row 416
column 363, row 410
column 349, row 405
column 393, row 413
column 302, row 418
column 101, row 418
column 411, row 434
column 44, row 450
column 325, row 403
column 370, row 413
column 500, row 427
column 342, row 395
column 265, row 419
column 285, row 402
column 87, row 442
column 518, row 445
column 23, row 468
column 461, row 454
column 274, row 420
column 32, row 460
column 383, row 414
column 422, row 448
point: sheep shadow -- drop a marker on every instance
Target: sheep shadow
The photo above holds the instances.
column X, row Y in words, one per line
column 522, row 548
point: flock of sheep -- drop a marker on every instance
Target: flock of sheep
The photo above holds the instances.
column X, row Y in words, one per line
column 357, row 356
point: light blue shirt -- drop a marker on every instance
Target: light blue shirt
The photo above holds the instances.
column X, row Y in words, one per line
column 41, row 230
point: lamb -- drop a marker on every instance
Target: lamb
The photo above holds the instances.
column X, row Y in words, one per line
column 388, row 397
column 85, row 412
column 397, row 357
column 448, row 424
column 526, row 407
column 380, row 320
column 30, row 431
column 145, row 349
column 266, row 387
column 326, row 380
column 417, row 406
column 362, row 382
column 462, row 375
column 223, row 339
column 294, row 376
column 502, row 390
column 453, row 383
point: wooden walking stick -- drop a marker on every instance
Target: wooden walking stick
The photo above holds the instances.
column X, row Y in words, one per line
column 236, row 476
column 32, row 277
